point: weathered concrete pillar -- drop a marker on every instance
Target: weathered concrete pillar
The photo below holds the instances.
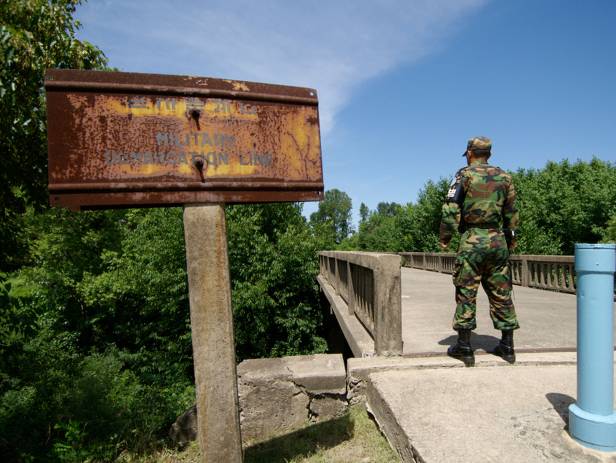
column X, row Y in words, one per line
column 211, row 323
column 388, row 310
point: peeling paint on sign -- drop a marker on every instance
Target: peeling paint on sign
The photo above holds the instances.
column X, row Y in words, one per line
column 119, row 139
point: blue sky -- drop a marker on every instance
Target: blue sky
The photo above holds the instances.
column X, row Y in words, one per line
column 402, row 83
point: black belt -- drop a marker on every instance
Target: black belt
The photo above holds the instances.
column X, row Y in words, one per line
column 485, row 226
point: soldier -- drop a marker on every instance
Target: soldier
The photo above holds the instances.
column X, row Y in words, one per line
column 481, row 204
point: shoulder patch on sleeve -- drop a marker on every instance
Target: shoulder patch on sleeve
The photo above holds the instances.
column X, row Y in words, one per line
column 456, row 188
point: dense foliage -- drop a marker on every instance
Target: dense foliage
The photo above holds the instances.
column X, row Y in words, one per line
column 34, row 35
column 273, row 259
column 394, row 227
column 609, row 235
column 332, row 220
column 565, row 203
column 97, row 329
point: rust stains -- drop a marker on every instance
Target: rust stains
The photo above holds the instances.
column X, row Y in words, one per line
column 111, row 134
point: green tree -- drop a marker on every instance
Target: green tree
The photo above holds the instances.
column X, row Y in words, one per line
column 420, row 225
column 34, row 35
column 273, row 259
column 380, row 231
column 364, row 212
column 388, row 209
column 393, row 227
column 609, row 234
column 101, row 319
column 563, row 204
column 333, row 217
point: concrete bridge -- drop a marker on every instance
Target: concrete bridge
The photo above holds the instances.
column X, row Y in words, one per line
column 547, row 318
column 395, row 312
column 390, row 304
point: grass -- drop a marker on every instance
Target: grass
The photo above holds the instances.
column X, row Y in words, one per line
column 352, row 438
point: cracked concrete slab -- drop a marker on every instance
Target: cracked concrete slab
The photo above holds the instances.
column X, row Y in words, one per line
column 488, row 414
column 279, row 395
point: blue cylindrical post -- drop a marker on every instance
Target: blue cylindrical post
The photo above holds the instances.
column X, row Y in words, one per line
column 592, row 419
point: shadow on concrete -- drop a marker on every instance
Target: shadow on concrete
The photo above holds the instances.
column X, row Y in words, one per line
column 561, row 403
column 332, row 333
column 478, row 341
column 302, row 443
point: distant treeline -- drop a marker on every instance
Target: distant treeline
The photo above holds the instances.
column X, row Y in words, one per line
column 561, row 204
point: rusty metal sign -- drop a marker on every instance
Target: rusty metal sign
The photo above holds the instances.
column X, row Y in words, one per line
column 125, row 140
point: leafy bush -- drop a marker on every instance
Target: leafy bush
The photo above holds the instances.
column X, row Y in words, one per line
column 97, row 329
column 563, row 204
column 35, row 35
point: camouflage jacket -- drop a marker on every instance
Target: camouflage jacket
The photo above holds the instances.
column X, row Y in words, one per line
column 487, row 200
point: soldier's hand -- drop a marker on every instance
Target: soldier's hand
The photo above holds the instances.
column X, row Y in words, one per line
column 443, row 246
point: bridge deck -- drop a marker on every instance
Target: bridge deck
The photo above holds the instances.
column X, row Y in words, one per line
column 547, row 319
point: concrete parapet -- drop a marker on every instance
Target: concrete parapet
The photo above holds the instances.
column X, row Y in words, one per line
column 555, row 273
column 279, row 395
column 369, row 285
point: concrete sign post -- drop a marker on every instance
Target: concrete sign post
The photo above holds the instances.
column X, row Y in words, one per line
column 143, row 140
column 592, row 419
column 211, row 321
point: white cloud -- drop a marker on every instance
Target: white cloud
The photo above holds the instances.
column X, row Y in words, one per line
column 333, row 46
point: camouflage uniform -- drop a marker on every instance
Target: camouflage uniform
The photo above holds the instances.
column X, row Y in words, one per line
column 485, row 208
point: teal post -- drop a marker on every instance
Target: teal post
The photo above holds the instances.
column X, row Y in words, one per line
column 592, row 419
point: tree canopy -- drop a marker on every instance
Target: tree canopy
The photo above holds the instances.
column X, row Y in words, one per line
column 34, row 35
column 561, row 204
column 333, row 217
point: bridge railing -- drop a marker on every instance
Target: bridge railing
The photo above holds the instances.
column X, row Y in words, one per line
column 556, row 273
column 369, row 284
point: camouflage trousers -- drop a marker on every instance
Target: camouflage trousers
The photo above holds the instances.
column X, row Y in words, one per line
column 483, row 258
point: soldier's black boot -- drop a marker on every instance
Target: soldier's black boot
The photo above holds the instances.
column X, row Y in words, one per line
column 462, row 349
column 505, row 347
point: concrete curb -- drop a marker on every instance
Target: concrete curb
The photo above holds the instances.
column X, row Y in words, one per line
column 360, row 369
column 390, row 427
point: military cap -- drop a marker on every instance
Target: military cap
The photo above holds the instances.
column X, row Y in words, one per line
column 478, row 144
